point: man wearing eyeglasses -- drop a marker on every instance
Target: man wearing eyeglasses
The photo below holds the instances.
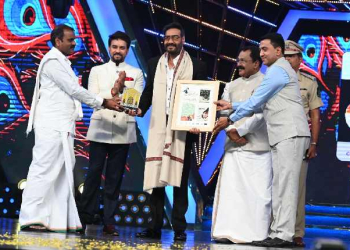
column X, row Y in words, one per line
column 168, row 156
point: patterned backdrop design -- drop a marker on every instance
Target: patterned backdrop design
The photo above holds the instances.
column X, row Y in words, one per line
column 25, row 27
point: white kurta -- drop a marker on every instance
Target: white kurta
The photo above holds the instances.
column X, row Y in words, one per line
column 48, row 198
column 242, row 204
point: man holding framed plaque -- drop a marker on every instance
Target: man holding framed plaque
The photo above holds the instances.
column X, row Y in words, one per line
column 289, row 136
column 168, row 156
column 110, row 132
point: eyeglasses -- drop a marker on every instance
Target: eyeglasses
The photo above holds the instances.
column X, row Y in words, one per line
column 174, row 38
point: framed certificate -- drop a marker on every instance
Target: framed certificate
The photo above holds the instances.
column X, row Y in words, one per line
column 194, row 105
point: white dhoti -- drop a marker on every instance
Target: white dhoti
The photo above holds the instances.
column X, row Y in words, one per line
column 48, row 199
column 242, row 204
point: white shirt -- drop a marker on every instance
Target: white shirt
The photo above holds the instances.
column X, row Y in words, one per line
column 56, row 108
column 169, row 81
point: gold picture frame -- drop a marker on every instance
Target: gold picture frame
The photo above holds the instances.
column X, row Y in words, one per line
column 194, row 105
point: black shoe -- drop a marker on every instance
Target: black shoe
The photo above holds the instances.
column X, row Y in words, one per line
column 277, row 242
column 223, row 241
column 261, row 242
column 180, row 236
column 150, row 234
column 110, row 230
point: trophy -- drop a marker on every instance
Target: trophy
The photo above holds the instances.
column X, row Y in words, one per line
column 130, row 97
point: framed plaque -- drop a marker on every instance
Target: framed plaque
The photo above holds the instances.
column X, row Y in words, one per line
column 194, row 105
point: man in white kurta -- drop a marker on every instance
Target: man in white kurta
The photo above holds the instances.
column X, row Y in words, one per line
column 242, row 205
column 48, row 199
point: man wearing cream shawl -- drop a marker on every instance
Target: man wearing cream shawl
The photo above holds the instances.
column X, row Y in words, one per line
column 168, row 154
column 48, row 199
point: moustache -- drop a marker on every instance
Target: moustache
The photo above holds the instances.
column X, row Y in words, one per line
column 170, row 44
column 117, row 54
column 240, row 67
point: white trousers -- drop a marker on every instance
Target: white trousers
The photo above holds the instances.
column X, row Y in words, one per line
column 48, row 198
column 287, row 157
column 242, row 204
column 300, row 220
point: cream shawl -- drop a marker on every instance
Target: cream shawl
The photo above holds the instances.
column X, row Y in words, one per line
column 165, row 148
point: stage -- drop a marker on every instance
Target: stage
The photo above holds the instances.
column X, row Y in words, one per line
column 11, row 238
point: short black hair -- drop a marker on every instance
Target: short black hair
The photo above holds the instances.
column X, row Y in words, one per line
column 119, row 35
column 174, row 25
column 276, row 40
column 58, row 32
column 254, row 53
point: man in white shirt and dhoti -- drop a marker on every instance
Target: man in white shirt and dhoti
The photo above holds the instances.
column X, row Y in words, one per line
column 242, row 204
column 48, row 199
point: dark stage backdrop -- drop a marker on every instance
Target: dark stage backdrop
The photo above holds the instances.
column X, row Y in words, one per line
column 25, row 27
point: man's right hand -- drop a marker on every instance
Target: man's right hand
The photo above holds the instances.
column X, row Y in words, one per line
column 134, row 112
column 113, row 104
column 236, row 138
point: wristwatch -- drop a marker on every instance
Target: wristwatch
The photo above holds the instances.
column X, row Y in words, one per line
column 230, row 122
column 313, row 143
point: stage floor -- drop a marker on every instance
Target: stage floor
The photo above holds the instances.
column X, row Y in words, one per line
column 11, row 238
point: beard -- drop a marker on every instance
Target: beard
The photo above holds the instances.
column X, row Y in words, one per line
column 117, row 61
column 176, row 50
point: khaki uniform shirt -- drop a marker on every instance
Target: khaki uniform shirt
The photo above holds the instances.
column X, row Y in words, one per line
column 309, row 95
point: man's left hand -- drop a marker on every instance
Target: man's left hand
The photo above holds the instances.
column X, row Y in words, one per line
column 311, row 152
column 221, row 124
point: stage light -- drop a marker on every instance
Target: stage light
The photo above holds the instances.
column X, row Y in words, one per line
column 128, row 219
column 1, row 200
column 129, row 197
column 251, row 16
column 4, row 211
column 81, row 188
column 7, row 189
column 12, row 200
column 120, row 197
column 123, row 207
column 139, row 220
column 134, row 209
column 146, row 209
column 117, row 217
column 141, row 198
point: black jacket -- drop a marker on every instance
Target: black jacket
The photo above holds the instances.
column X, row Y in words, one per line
column 199, row 73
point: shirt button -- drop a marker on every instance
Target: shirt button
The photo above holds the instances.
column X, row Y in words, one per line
column 114, row 116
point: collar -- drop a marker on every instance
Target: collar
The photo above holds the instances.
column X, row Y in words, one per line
column 174, row 60
column 60, row 55
column 252, row 76
column 114, row 66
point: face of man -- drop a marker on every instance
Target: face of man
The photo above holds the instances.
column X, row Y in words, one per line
column 173, row 41
column 67, row 44
column 268, row 53
column 118, row 51
column 294, row 60
column 246, row 66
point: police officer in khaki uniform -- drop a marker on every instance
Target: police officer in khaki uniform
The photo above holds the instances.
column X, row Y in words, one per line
column 312, row 103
